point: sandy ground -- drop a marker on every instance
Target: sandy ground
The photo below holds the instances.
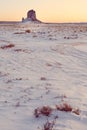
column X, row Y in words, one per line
column 43, row 65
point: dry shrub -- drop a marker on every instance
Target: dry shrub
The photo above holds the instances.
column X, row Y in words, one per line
column 49, row 125
column 7, row 46
column 64, row 107
column 18, row 79
column 19, row 33
column 43, row 78
column 67, row 108
column 48, row 64
column 45, row 110
column 66, row 37
column 76, row 111
column 28, row 31
column 23, row 50
column 18, row 50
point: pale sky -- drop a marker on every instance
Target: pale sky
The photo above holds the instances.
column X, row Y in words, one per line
column 46, row 10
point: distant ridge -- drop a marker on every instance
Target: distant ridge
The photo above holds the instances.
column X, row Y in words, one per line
column 9, row 22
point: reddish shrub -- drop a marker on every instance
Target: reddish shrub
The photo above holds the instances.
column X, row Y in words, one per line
column 7, row 46
column 45, row 110
column 64, row 107
column 28, row 31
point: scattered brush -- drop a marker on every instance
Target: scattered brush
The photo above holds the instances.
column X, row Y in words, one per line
column 45, row 110
column 67, row 108
column 7, row 46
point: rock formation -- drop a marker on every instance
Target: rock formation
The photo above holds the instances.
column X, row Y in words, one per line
column 31, row 16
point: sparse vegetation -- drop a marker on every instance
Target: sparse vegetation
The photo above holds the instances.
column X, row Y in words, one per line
column 23, row 32
column 7, row 46
column 45, row 110
column 64, row 107
column 49, row 125
column 43, row 78
column 19, row 32
column 28, row 31
column 76, row 111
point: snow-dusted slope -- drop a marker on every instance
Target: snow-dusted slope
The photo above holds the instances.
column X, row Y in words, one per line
column 43, row 65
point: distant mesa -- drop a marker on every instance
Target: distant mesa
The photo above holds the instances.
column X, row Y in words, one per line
column 31, row 16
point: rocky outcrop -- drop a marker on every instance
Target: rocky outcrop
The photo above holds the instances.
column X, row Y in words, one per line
column 31, row 16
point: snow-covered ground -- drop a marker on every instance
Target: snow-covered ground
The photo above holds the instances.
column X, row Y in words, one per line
column 43, row 65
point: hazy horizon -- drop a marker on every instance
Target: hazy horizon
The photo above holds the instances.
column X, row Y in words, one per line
column 57, row 11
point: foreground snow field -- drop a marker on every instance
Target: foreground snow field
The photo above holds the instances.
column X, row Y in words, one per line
column 43, row 65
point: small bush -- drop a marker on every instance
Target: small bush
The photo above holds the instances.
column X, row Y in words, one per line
column 49, row 125
column 37, row 112
column 28, row 31
column 45, row 110
column 43, row 78
column 76, row 111
column 7, row 46
column 64, row 107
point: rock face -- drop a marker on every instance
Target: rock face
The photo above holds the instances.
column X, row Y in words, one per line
column 31, row 16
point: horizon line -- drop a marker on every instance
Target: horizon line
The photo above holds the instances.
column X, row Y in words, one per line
column 11, row 21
